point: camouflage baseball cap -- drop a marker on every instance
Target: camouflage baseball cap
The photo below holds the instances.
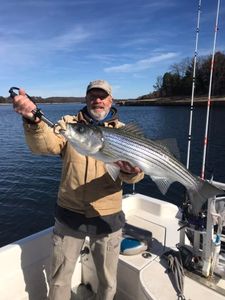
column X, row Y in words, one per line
column 100, row 84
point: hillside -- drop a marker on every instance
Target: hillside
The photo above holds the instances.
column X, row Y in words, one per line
column 170, row 101
column 5, row 100
column 128, row 102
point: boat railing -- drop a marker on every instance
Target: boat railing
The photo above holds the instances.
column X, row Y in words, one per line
column 218, row 184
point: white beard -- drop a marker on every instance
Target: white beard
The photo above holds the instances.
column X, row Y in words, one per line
column 98, row 116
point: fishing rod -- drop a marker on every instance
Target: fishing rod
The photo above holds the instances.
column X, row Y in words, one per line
column 193, row 86
column 209, row 94
column 36, row 112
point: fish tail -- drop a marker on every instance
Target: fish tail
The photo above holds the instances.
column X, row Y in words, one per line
column 200, row 196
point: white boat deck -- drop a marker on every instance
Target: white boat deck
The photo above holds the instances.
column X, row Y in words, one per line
column 25, row 263
column 154, row 280
column 152, row 285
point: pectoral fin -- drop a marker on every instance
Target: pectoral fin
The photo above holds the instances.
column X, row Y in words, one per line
column 113, row 170
column 162, row 183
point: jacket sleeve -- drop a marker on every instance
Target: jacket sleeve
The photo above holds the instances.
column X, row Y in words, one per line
column 131, row 178
column 42, row 139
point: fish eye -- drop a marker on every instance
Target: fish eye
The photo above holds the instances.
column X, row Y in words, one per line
column 80, row 129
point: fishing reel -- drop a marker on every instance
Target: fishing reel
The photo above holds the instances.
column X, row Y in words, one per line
column 188, row 219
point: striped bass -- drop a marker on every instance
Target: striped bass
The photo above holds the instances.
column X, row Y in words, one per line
column 128, row 144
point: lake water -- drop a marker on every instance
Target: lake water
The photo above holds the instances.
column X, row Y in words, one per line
column 29, row 183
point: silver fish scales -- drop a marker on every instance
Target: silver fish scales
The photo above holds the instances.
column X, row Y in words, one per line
column 128, row 144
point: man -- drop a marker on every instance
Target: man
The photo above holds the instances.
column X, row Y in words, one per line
column 89, row 200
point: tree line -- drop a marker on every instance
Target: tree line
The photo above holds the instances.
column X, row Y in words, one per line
column 178, row 81
column 50, row 100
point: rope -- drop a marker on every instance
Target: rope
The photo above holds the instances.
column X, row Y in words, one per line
column 176, row 266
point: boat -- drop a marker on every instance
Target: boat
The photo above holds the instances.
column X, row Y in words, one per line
column 143, row 274
column 166, row 254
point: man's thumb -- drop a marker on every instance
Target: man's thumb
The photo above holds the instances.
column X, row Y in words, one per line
column 22, row 92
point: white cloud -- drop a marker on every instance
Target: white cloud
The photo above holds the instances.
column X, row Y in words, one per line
column 142, row 64
column 138, row 41
column 69, row 39
column 158, row 5
column 19, row 51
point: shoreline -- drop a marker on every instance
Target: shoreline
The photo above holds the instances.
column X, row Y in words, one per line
column 170, row 102
column 47, row 103
column 178, row 101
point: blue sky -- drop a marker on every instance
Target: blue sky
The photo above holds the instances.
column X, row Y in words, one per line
column 56, row 47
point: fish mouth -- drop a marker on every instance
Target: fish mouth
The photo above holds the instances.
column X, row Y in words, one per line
column 62, row 131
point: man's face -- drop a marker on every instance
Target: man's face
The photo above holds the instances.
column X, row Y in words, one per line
column 99, row 103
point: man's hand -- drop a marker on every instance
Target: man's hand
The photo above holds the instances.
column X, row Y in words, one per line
column 24, row 106
column 127, row 168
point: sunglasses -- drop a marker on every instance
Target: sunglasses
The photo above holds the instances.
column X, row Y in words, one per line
column 93, row 96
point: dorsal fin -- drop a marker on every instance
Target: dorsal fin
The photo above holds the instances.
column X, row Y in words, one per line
column 169, row 145
column 133, row 127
